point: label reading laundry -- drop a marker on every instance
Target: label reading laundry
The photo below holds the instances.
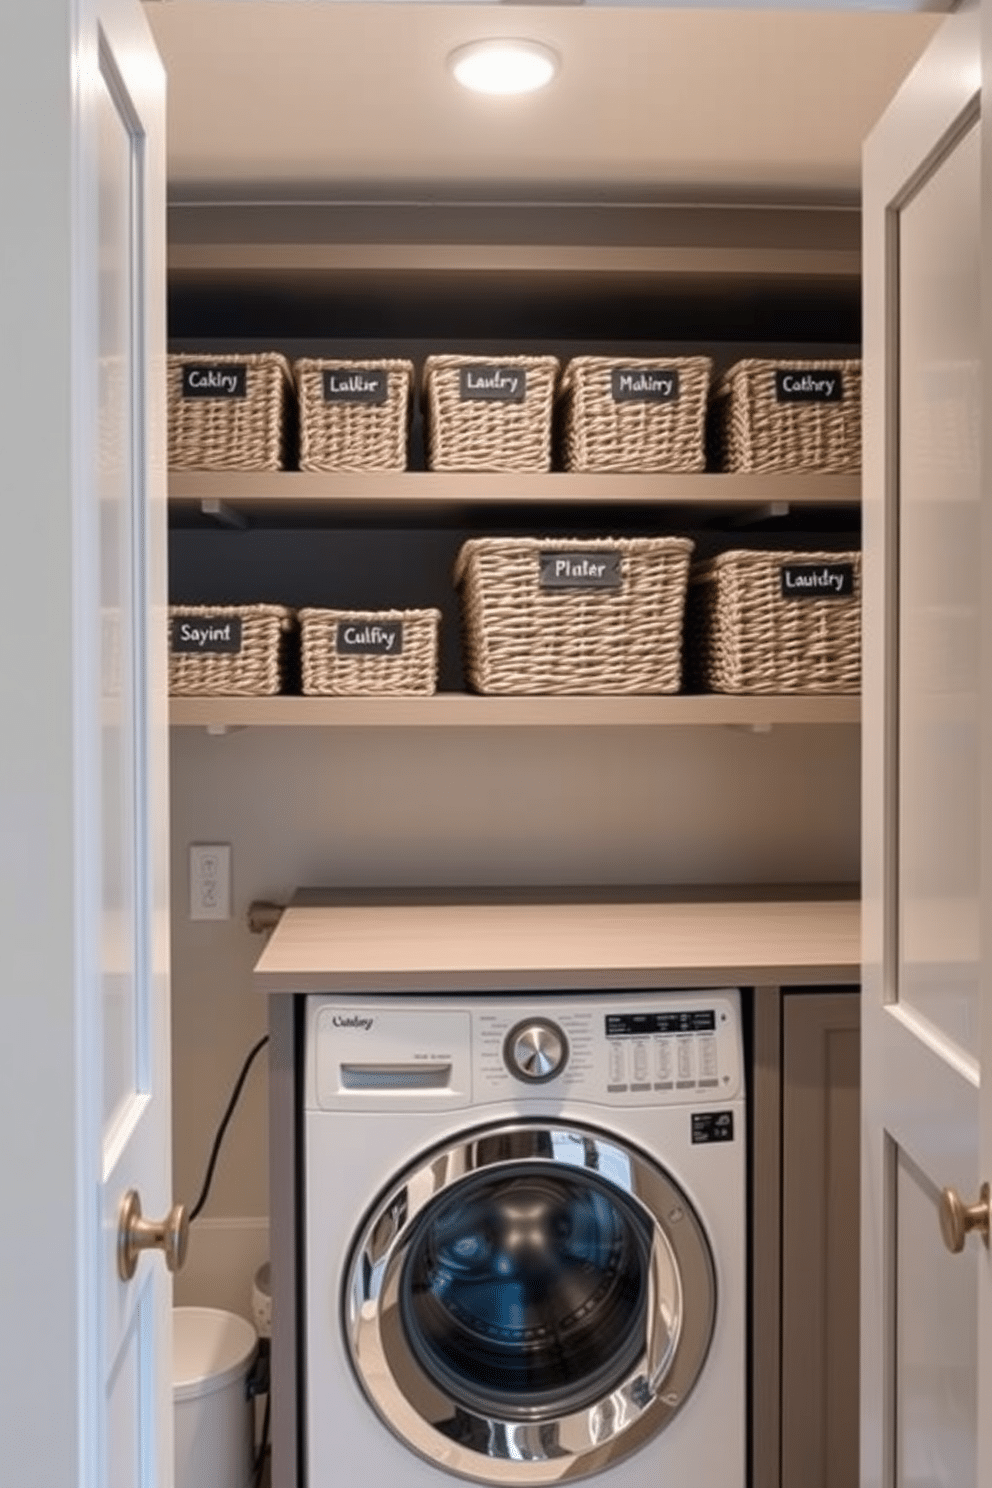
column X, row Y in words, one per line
column 645, row 384
column 817, row 580
column 798, row 385
column 369, row 638
column 215, row 380
column 485, row 383
column 581, row 570
column 191, row 633
column 712, row 1126
column 637, row 1025
column 355, row 386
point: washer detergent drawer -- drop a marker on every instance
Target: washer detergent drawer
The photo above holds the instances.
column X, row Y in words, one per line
column 374, row 1058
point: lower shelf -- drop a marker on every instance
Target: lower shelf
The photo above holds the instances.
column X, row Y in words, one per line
column 459, row 710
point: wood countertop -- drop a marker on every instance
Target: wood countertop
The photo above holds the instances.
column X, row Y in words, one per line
column 480, row 940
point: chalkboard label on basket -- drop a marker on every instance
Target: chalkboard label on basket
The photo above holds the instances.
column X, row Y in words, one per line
column 808, row 385
column 485, row 383
column 199, row 633
column 645, row 384
column 355, row 386
column 817, row 580
column 369, row 638
column 215, row 380
column 581, row 570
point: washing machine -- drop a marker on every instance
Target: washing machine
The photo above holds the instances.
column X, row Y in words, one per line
column 524, row 1223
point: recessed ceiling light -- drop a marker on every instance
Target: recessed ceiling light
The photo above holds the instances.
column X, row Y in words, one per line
column 503, row 66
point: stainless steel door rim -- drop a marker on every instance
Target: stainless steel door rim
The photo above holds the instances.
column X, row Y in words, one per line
column 412, row 1342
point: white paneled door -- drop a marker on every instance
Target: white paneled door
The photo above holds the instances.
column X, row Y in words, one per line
column 86, row 1375
column 927, row 1028
column 125, row 730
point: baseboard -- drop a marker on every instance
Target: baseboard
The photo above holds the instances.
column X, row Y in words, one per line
column 223, row 1256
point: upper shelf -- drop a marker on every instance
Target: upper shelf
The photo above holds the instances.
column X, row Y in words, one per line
column 304, row 498
column 569, row 242
column 730, row 264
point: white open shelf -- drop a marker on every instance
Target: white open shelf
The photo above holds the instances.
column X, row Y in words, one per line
column 254, row 497
column 460, row 710
column 496, row 940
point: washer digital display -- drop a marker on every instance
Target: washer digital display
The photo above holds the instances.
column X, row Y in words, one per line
column 637, row 1025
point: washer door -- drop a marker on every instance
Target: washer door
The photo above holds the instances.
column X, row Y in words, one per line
column 530, row 1303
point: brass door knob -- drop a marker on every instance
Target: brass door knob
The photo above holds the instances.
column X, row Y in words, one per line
column 135, row 1234
column 958, row 1219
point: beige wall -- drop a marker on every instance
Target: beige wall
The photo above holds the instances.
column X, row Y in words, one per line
column 435, row 806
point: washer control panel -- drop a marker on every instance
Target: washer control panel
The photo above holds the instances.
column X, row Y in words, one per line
column 674, row 1049
column 616, row 1049
column 642, row 1048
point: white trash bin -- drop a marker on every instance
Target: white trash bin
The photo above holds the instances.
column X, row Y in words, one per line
column 213, row 1352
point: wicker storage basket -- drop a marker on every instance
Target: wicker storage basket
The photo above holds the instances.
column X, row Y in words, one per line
column 354, row 415
column 228, row 412
column 624, row 414
column 774, row 622
column 489, row 413
column 534, row 622
column 790, row 415
column 387, row 652
column 217, row 650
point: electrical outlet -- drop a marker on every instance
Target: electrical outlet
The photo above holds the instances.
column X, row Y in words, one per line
column 209, row 881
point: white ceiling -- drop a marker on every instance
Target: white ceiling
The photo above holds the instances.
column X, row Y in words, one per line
column 339, row 101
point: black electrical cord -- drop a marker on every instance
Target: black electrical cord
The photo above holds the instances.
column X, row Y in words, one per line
column 255, row 1050
column 263, row 1446
column 215, row 1149
column 259, row 1383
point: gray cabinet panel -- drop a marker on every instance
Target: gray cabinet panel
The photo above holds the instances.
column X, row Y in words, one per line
column 820, row 1239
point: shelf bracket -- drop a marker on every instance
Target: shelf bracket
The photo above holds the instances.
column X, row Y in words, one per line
column 263, row 916
column 222, row 513
column 763, row 513
column 218, row 730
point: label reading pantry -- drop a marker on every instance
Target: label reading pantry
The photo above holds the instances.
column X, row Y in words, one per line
column 197, row 633
column 355, row 386
column 817, row 580
column 645, row 384
column 486, row 383
column 808, row 385
column 215, row 380
column 583, row 569
column 369, row 637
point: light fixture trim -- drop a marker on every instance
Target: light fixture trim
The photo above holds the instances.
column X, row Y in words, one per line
column 504, row 65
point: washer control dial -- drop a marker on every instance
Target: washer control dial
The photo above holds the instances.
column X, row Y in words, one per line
column 535, row 1050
